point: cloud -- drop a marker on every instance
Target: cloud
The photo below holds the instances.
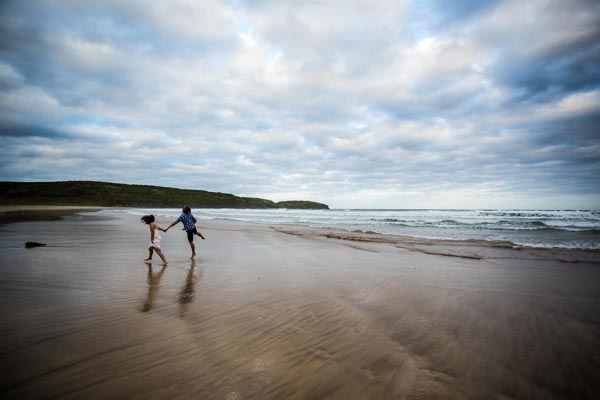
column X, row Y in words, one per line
column 385, row 104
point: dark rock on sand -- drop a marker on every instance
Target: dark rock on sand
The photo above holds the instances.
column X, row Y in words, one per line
column 30, row 245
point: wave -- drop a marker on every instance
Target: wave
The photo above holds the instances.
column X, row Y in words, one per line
column 514, row 243
column 516, row 214
column 519, row 225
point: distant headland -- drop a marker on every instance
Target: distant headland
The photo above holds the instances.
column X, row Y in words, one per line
column 106, row 194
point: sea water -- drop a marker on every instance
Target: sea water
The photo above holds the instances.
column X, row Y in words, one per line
column 577, row 229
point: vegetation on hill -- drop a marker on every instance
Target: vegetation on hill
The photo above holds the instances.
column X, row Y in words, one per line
column 301, row 204
column 90, row 193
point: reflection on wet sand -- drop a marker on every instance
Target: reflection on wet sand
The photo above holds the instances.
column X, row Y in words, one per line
column 186, row 294
column 153, row 286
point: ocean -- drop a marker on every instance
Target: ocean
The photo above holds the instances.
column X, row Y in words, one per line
column 573, row 229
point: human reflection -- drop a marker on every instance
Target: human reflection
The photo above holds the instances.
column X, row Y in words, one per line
column 186, row 294
column 153, row 285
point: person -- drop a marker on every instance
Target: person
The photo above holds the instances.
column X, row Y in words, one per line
column 154, row 239
column 189, row 225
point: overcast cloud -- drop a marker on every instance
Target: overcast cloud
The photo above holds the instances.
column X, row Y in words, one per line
column 356, row 104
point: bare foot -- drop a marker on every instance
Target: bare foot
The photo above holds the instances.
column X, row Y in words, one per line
column 148, row 259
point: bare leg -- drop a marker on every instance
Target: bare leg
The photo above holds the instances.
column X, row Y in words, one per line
column 162, row 256
column 193, row 249
column 150, row 253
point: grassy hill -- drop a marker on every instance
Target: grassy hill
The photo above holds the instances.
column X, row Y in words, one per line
column 301, row 205
column 90, row 193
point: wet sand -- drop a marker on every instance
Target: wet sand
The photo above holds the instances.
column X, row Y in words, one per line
column 4, row 209
column 289, row 313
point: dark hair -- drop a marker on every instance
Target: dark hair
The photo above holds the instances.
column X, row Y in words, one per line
column 186, row 210
column 148, row 219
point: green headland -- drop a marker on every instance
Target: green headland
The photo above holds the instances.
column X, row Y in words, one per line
column 106, row 194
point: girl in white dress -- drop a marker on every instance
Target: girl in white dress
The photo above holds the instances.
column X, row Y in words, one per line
column 154, row 239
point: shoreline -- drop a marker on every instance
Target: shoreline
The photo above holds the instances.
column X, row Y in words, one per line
column 4, row 209
column 465, row 248
column 459, row 248
column 551, row 230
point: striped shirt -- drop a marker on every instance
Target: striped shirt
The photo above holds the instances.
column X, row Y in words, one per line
column 189, row 222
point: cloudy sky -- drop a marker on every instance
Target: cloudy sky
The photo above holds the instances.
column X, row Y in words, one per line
column 376, row 104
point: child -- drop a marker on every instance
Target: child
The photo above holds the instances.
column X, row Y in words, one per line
column 189, row 226
column 154, row 239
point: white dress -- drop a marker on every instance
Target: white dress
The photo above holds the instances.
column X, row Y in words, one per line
column 156, row 243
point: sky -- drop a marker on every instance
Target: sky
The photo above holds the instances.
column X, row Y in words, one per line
column 370, row 104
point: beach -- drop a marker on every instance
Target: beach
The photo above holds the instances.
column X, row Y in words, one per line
column 290, row 312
